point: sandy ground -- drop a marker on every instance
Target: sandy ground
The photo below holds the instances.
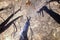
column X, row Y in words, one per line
column 42, row 27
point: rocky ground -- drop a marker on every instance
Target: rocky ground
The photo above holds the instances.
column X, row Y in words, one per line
column 42, row 25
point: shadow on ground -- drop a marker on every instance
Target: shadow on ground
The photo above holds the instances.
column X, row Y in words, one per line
column 4, row 25
column 53, row 14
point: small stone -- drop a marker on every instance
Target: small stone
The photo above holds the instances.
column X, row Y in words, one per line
column 4, row 4
column 56, row 33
